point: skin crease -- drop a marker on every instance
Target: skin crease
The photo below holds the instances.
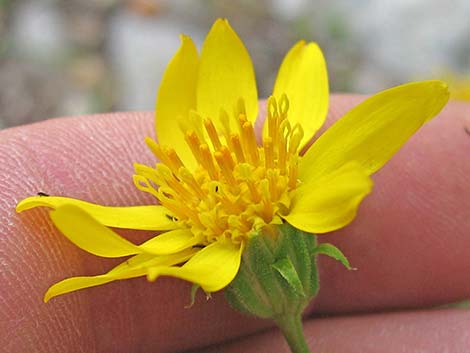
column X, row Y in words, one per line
column 410, row 243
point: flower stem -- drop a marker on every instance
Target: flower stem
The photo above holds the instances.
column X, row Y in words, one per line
column 292, row 330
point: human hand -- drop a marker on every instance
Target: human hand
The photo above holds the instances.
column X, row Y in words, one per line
column 410, row 243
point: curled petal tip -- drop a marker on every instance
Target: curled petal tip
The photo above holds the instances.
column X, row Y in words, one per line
column 20, row 206
column 27, row 203
column 47, row 297
column 439, row 86
column 184, row 38
column 221, row 21
column 152, row 275
column 442, row 84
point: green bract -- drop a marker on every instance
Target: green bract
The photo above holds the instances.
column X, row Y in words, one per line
column 278, row 275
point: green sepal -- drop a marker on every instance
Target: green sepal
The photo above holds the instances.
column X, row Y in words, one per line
column 286, row 269
column 194, row 289
column 333, row 252
column 255, row 290
column 278, row 275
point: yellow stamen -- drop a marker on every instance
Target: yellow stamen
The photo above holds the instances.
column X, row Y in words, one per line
column 195, row 122
column 231, row 206
column 237, row 148
column 147, row 172
column 193, row 142
column 296, row 136
column 246, row 175
column 272, row 178
column 175, row 162
column 237, row 186
column 239, row 223
column 173, row 183
column 225, row 166
column 157, row 150
column 143, row 184
column 212, row 132
column 282, row 162
column 293, row 174
column 249, row 143
column 188, row 178
column 283, row 105
column 267, row 211
column 273, row 122
column 228, row 157
column 207, row 161
column 180, row 209
column 268, row 152
column 225, row 120
column 208, row 220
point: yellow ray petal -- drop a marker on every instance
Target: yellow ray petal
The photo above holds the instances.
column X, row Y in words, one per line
column 150, row 217
column 123, row 271
column 330, row 202
column 303, row 78
column 226, row 74
column 171, row 242
column 372, row 132
column 73, row 284
column 176, row 97
column 90, row 235
column 213, row 267
column 134, row 267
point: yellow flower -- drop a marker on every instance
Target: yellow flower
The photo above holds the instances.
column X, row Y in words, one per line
column 218, row 186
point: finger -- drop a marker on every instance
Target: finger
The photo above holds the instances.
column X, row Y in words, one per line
column 91, row 159
column 410, row 332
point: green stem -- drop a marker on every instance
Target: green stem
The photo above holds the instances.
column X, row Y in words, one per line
column 292, row 330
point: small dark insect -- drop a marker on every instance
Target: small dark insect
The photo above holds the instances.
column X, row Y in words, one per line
column 217, row 188
column 171, row 218
column 40, row 193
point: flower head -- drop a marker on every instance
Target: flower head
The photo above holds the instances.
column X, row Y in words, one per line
column 218, row 183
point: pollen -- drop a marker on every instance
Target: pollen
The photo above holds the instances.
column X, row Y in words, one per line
column 239, row 184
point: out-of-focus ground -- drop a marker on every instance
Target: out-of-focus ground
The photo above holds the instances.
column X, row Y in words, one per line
column 67, row 57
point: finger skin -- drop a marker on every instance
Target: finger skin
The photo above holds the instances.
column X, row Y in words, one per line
column 410, row 241
column 411, row 332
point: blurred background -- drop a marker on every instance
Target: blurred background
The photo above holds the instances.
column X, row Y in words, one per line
column 69, row 57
